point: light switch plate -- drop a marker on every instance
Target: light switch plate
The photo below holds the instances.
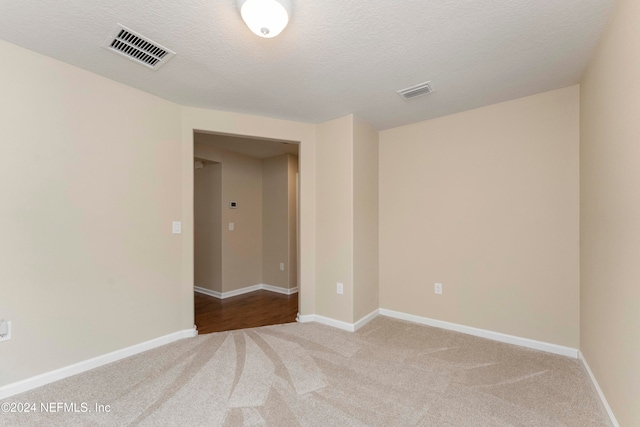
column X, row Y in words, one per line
column 176, row 227
column 232, row 226
column 5, row 329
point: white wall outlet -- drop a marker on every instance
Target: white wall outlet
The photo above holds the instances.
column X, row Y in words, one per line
column 437, row 288
column 5, row 330
column 339, row 288
column 282, row 266
column 232, row 226
column 176, row 227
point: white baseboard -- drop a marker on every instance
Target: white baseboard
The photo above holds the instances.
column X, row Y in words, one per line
column 305, row 318
column 366, row 319
column 598, row 390
column 483, row 333
column 495, row 336
column 246, row 290
column 86, row 365
column 286, row 291
column 345, row 326
column 209, row 292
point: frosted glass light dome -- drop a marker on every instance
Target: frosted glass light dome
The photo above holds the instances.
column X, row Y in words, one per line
column 266, row 18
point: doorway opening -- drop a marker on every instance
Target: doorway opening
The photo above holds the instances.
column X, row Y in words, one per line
column 245, row 231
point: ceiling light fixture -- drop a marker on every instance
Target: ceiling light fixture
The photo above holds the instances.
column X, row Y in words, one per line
column 266, row 18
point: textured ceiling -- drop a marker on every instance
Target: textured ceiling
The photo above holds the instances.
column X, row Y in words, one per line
column 336, row 57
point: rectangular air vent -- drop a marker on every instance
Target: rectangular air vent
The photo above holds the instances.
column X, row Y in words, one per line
column 414, row 91
column 136, row 47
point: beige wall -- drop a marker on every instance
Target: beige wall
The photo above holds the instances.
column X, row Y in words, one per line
column 259, row 127
column 90, row 181
column 208, row 226
column 275, row 221
column 610, row 213
column 365, row 222
column 347, row 215
column 242, row 247
column 242, row 254
column 292, row 163
column 334, row 198
column 486, row 202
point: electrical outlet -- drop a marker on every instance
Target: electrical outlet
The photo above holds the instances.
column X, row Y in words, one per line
column 5, row 330
column 282, row 266
column 232, row 226
column 437, row 288
column 340, row 288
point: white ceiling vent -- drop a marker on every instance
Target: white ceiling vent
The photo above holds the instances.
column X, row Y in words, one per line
column 136, row 47
column 414, row 91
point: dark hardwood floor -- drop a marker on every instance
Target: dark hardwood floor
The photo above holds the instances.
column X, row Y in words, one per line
column 259, row 308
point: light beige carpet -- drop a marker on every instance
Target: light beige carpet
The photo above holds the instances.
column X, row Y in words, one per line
column 390, row 373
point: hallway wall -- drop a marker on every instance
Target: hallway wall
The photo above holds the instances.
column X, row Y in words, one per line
column 241, row 247
column 208, row 227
